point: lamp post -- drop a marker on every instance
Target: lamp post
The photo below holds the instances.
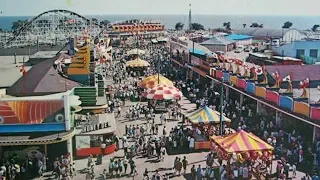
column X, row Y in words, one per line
column 221, row 108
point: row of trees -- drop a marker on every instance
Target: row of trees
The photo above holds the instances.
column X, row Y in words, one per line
column 227, row 26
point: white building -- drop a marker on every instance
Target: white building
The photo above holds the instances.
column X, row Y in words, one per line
column 286, row 35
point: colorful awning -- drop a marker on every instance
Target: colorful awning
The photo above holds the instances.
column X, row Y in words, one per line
column 163, row 92
column 137, row 63
column 241, row 141
column 206, row 115
column 154, row 80
column 26, row 141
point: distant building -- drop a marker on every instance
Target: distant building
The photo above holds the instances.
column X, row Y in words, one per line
column 287, row 35
column 219, row 43
column 262, row 59
column 145, row 29
column 240, row 39
column 309, row 51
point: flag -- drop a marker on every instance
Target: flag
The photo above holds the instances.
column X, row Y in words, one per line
column 259, row 71
column 263, row 68
column 253, row 70
column 23, row 70
column 277, row 76
column 304, row 84
column 238, row 62
column 287, row 78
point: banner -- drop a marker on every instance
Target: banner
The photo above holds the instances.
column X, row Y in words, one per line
column 82, row 142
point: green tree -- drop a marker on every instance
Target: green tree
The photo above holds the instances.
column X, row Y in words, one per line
column 18, row 24
column 1, row 30
column 315, row 27
column 104, row 22
column 287, row 24
column 197, row 26
column 179, row 26
column 221, row 30
column 256, row 25
column 227, row 25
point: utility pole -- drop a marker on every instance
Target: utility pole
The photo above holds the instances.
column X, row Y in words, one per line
column 190, row 22
column 221, row 108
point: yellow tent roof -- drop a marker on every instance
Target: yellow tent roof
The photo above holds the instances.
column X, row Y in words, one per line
column 152, row 81
column 137, row 63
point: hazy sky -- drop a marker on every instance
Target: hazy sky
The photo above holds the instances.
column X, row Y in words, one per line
column 100, row 7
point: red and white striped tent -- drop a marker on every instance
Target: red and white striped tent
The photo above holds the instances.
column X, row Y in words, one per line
column 163, row 92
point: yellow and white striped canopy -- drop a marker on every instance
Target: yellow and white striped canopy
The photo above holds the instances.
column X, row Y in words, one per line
column 137, row 63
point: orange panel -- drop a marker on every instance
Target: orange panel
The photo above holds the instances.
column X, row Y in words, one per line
column 261, row 92
column 141, row 27
column 301, row 108
column 77, row 71
column 233, row 80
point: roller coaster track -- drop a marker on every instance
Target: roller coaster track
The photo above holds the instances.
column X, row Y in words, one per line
column 53, row 27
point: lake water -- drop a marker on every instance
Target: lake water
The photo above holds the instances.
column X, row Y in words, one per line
column 209, row 21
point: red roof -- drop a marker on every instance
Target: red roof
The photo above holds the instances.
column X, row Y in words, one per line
column 41, row 79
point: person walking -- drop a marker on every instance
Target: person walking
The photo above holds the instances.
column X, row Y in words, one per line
column 125, row 164
column 199, row 172
column 193, row 172
column 132, row 166
column 184, row 164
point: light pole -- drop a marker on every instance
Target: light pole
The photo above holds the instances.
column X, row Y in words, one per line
column 221, row 108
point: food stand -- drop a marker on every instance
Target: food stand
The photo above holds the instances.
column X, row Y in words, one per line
column 242, row 147
column 203, row 121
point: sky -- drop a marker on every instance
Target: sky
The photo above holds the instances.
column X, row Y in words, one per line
column 220, row 7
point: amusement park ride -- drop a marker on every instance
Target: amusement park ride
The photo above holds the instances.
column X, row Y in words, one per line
column 53, row 27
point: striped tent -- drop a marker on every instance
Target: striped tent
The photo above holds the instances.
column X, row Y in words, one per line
column 137, row 63
column 206, row 115
column 154, row 80
column 241, row 141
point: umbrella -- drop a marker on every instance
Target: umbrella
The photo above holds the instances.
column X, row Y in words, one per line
column 162, row 91
column 136, row 51
column 137, row 63
column 154, row 80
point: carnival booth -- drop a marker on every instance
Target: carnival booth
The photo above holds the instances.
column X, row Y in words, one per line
column 204, row 122
column 137, row 63
column 154, row 80
column 242, row 148
column 161, row 96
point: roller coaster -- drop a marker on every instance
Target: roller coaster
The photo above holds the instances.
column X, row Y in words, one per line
column 53, row 27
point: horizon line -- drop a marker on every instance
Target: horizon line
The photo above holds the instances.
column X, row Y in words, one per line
column 153, row 14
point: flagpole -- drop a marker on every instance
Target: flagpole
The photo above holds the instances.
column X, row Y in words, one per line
column 309, row 90
column 24, row 78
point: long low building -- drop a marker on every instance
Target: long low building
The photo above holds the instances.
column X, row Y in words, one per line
column 240, row 39
column 287, row 35
column 219, row 43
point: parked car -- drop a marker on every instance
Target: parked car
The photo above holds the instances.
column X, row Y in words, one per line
column 247, row 49
column 238, row 50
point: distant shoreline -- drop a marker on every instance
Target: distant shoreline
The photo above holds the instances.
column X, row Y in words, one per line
column 208, row 21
